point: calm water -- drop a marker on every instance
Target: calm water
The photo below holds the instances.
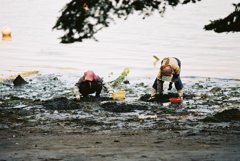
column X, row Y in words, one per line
column 129, row 43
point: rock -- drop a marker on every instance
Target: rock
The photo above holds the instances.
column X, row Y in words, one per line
column 142, row 116
column 215, row 89
column 19, row 81
column 226, row 115
column 55, row 78
column 55, row 112
column 204, row 96
column 126, row 82
column 3, row 126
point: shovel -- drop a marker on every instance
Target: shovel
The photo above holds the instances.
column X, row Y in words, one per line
column 119, row 95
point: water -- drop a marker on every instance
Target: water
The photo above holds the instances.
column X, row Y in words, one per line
column 130, row 43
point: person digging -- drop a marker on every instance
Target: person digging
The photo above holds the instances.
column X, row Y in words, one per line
column 90, row 83
column 169, row 72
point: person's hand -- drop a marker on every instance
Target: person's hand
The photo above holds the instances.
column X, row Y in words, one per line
column 152, row 98
column 180, row 93
column 78, row 97
column 76, row 92
column 111, row 92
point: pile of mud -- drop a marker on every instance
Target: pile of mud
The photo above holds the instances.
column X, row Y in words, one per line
column 224, row 116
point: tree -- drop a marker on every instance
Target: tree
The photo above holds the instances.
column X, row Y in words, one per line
column 82, row 19
column 227, row 24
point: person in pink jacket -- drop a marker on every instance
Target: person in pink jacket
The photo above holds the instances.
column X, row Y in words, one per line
column 90, row 83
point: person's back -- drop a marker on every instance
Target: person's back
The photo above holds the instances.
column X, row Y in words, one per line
column 90, row 83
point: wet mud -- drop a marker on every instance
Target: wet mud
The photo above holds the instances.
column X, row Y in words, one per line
column 46, row 106
column 225, row 116
column 50, row 98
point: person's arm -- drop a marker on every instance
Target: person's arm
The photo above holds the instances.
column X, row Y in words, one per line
column 180, row 93
column 176, row 72
column 76, row 89
column 105, row 85
column 170, row 86
column 175, row 78
column 108, row 88
column 159, row 87
column 76, row 92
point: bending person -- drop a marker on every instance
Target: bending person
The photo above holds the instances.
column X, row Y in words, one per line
column 90, row 83
column 169, row 72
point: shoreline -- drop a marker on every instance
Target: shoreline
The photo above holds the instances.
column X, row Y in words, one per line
column 123, row 145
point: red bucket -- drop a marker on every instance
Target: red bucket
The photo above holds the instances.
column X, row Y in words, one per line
column 175, row 100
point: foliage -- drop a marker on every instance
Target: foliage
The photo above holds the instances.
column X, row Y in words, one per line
column 82, row 19
column 156, row 59
column 121, row 78
column 227, row 24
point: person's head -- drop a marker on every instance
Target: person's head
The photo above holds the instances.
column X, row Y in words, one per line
column 89, row 75
column 166, row 73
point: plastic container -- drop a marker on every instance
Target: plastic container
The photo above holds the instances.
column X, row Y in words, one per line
column 119, row 95
column 175, row 100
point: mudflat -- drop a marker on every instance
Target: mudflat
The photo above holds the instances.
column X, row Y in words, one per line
column 39, row 122
column 122, row 145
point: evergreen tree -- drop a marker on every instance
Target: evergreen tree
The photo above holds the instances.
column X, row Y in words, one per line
column 82, row 19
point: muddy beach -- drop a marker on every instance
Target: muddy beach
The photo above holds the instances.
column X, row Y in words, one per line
column 41, row 120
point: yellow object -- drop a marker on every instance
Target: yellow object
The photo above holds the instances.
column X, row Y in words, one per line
column 6, row 34
column 121, row 78
column 119, row 95
column 156, row 59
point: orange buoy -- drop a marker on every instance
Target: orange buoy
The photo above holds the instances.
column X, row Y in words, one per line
column 175, row 100
column 6, row 34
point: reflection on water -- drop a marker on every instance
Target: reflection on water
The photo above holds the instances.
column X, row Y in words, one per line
column 131, row 43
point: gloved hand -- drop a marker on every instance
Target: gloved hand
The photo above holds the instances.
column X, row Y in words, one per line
column 180, row 93
column 110, row 92
column 152, row 98
column 153, row 95
column 78, row 97
column 76, row 92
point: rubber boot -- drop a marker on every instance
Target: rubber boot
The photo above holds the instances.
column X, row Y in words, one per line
column 180, row 93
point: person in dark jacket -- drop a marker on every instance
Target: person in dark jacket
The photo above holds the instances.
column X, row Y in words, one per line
column 169, row 72
column 90, row 83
